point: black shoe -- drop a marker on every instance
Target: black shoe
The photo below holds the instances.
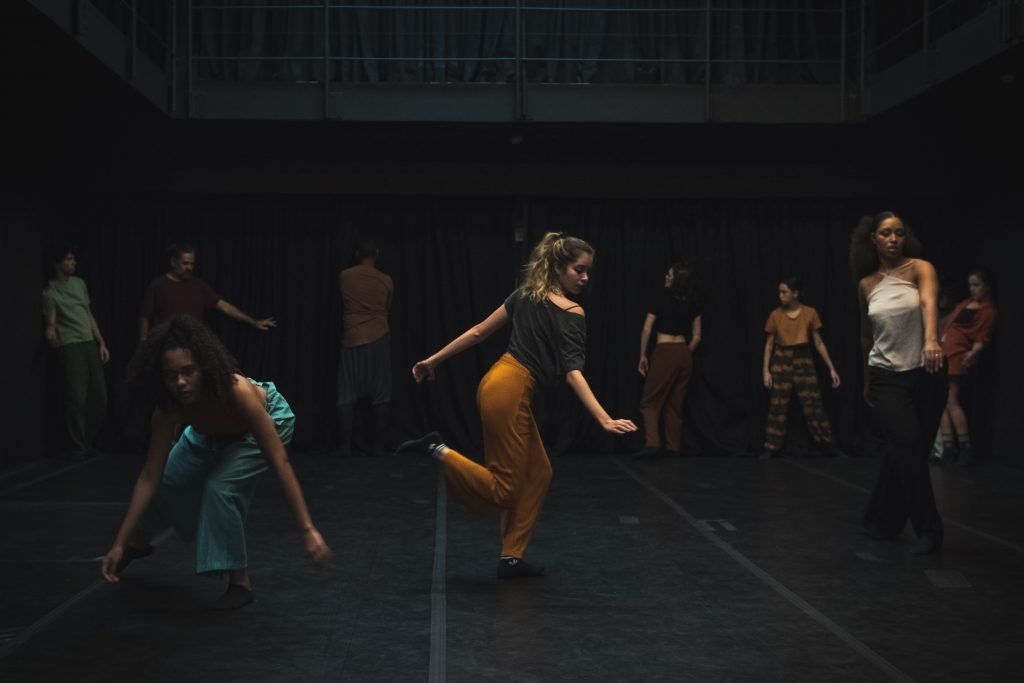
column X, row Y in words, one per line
column 935, row 458
column 966, row 455
column 949, row 455
column 131, row 554
column 830, row 450
column 769, row 453
column 879, row 534
column 930, row 542
column 515, row 568
column 645, row 453
column 425, row 445
column 234, row 597
column 77, row 455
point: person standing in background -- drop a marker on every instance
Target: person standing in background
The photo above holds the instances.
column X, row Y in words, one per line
column 71, row 329
column 364, row 369
column 180, row 292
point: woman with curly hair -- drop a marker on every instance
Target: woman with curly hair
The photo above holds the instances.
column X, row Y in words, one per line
column 212, row 433
column 905, row 379
column 546, row 345
column 967, row 332
column 667, row 373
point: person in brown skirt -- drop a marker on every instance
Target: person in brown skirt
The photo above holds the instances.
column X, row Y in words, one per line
column 788, row 367
column 667, row 373
column 546, row 345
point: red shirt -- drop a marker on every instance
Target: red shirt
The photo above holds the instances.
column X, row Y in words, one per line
column 166, row 297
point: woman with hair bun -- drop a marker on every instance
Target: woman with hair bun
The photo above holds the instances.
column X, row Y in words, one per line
column 546, row 346
column 904, row 379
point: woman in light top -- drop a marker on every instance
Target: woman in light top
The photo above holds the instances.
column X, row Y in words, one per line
column 967, row 332
column 546, row 346
column 667, row 373
column 904, row 379
column 788, row 367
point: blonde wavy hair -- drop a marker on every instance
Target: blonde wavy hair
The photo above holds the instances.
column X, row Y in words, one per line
column 551, row 255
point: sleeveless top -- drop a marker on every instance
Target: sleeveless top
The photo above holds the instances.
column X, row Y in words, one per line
column 897, row 324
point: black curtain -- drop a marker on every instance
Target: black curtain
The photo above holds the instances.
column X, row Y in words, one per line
column 455, row 259
column 415, row 41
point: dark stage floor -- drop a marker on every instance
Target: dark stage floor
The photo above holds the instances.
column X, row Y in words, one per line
column 700, row 569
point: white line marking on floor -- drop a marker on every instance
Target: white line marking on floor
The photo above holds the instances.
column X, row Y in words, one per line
column 438, row 666
column 23, row 637
column 868, row 557
column 55, row 473
column 870, row 655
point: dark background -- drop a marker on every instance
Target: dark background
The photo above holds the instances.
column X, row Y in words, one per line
column 274, row 209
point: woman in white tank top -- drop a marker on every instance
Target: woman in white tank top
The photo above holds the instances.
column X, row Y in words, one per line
column 904, row 379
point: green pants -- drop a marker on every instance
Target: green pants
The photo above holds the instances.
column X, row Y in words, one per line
column 85, row 392
column 208, row 486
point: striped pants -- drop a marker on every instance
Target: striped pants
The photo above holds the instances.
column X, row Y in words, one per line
column 792, row 369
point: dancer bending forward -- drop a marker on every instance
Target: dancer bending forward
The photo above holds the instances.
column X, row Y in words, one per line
column 546, row 344
column 202, row 482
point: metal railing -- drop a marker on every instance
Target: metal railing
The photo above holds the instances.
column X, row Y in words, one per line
column 936, row 19
column 518, row 43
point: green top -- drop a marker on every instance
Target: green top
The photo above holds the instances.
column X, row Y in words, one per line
column 70, row 301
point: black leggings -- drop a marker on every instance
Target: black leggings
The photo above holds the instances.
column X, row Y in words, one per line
column 907, row 407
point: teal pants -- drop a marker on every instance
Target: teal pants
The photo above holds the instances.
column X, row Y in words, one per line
column 208, row 485
column 85, row 392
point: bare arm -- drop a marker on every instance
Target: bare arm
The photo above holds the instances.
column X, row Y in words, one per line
column 104, row 351
column 695, row 334
column 424, row 369
column 579, row 385
column 51, row 334
column 928, row 290
column 259, row 423
column 866, row 337
column 819, row 344
column 769, row 347
column 230, row 310
column 161, row 436
column 645, row 338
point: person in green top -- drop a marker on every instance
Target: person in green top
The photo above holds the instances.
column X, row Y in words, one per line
column 71, row 329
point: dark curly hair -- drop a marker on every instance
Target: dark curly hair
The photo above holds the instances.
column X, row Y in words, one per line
column 145, row 370
column 864, row 255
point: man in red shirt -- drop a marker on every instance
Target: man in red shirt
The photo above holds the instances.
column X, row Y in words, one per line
column 179, row 292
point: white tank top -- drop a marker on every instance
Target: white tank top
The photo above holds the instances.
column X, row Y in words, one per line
column 897, row 324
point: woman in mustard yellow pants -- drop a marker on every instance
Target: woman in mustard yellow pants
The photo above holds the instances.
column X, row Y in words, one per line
column 546, row 344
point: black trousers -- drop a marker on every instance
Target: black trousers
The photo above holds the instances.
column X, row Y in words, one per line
column 907, row 407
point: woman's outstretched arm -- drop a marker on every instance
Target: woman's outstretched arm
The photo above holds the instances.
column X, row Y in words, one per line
column 161, row 436
column 645, row 338
column 579, row 385
column 260, row 424
column 819, row 344
column 424, row 369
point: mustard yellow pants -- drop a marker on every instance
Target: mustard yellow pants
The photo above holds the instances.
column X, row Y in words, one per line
column 516, row 472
